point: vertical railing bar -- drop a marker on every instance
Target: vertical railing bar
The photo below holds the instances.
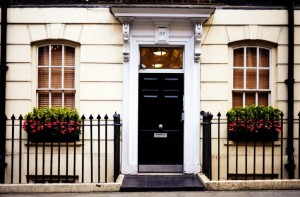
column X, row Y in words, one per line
column 58, row 160
column 74, row 158
column 12, row 148
column 264, row 155
column 227, row 165
column 51, row 161
column 51, row 151
column 82, row 152
column 27, row 170
column 36, row 154
column 273, row 133
column 98, row 125
column 59, row 156
column 254, row 147
column 116, row 146
column 246, row 148
column 281, row 145
column 43, row 158
column 237, row 150
column 67, row 152
column 219, row 116
column 209, row 148
column 36, row 161
column 91, row 145
column 106, row 117
column 43, row 162
column 299, row 145
column 20, row 149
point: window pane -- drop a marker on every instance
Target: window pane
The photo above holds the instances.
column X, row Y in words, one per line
column 263, row 99
column 251, row 79
column 69, row 56
column 56, row 78
column 264, row 58
column 237, row 99
column 69, row 77
column 56, row 99
column 263, row 79
column 56, row 55
column 43, row 57
column 238, row 78
column 238, row 57
column 43, row 77
column 161, row 58
column 250, row 99
column 251, row 57
column 43, row 99
column 70, row 99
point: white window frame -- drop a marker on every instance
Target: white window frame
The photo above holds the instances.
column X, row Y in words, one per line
column 257, row 68
column 62, row 89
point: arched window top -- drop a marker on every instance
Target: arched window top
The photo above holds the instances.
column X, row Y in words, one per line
column 257, row 43
column 55, row 41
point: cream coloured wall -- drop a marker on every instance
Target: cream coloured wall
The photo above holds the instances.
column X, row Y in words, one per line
column 99, row 55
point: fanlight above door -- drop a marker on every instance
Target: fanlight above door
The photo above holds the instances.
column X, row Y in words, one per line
column 161, row 57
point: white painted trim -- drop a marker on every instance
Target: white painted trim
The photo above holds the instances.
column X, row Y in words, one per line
column 190, row 40
column 191, row 106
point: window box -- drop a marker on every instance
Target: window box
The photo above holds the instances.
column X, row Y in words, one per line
column 52, row 125
column 254, row 123
column 246, row 135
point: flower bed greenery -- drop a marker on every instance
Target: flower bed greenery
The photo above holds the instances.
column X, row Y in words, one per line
column 251, row 123
column 52, row 124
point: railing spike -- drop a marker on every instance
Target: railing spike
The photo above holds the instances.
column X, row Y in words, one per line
column 83, row 117
column 98, row 117
column 21, row 117
column 219, row 114
column 13, row 117
column 105, row 117
column 91, row 117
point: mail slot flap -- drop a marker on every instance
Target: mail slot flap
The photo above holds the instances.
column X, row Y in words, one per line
column 160, row 135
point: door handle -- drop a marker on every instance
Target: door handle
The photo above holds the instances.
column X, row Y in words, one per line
column 160, row 126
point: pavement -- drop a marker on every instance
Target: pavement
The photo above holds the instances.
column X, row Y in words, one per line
column 261, row 193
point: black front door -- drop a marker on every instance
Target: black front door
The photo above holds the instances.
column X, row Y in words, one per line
column 160, row 147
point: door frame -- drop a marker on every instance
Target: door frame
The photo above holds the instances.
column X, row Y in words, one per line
column 191, row 70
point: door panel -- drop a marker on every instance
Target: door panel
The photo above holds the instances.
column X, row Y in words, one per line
column 160, row 122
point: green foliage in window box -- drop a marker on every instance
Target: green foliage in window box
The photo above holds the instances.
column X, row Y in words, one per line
column 52, row 124
column 251, row 123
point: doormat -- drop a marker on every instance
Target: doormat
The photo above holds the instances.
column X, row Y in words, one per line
column 136, row 183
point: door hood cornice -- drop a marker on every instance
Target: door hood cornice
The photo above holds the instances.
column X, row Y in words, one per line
column 130, row 13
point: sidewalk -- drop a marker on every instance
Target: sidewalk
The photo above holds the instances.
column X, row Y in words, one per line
column 274, row 193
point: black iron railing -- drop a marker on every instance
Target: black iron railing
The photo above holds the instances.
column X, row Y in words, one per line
column 84, row 158
column 246, row 157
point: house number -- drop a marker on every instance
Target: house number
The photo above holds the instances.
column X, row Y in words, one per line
column 162, row 35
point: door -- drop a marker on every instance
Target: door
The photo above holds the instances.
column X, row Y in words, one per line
column 160, row 141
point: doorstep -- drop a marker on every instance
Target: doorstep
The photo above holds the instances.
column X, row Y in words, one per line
column 161, row 182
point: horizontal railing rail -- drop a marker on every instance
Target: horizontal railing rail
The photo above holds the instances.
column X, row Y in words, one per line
column 88, row 157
